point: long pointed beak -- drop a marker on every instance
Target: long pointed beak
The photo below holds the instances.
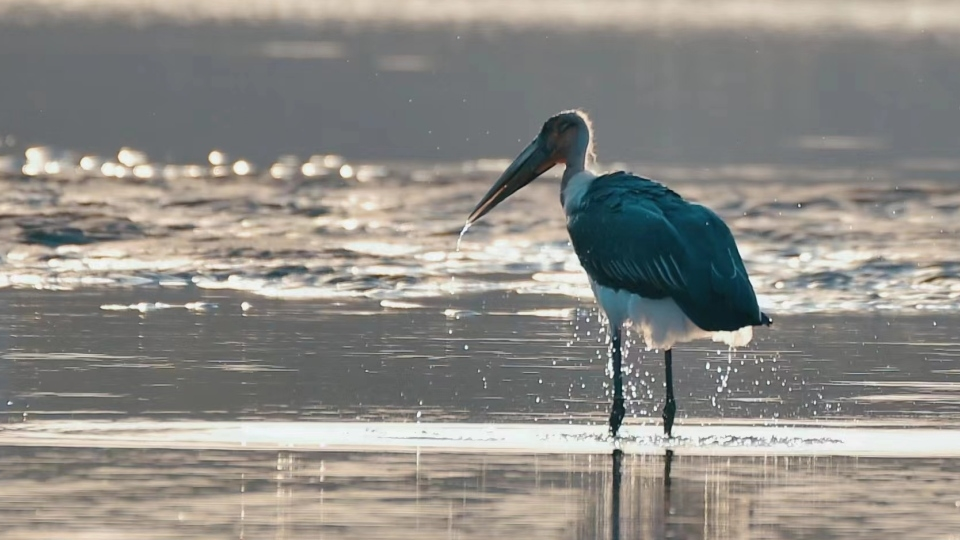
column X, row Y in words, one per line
column 531, row 163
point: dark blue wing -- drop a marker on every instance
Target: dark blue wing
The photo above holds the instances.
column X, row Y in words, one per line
column 634, row 234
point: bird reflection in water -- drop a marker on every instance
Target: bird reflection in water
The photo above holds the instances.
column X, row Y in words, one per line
column 616, row 488
column 615, row 495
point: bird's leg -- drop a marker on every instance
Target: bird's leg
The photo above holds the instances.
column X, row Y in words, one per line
column 670, row 408
column 617, row 411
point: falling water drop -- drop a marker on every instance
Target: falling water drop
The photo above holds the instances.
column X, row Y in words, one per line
column 463, row 231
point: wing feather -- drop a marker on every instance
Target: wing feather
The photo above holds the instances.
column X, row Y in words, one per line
column 634, row 234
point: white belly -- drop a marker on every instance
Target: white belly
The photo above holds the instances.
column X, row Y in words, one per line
column 661, row 322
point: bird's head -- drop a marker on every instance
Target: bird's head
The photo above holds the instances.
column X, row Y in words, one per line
column 564, row 137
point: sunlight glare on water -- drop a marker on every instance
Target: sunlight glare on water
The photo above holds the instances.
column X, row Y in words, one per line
column 271, row 239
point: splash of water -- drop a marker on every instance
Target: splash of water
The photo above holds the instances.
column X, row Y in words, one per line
column 463, row 231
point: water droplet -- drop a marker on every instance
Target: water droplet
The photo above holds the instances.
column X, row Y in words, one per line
column 463, row 231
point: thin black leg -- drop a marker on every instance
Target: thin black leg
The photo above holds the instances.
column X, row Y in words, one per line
column 670, row 407
column 617, row 411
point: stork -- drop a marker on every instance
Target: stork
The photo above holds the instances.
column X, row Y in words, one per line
column 668, row 267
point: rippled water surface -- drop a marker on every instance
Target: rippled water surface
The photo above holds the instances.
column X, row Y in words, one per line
column 215, row 494
column 823, row 246
column 246, row 416
column 232, row 303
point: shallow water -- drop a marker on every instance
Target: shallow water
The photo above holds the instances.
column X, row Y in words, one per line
column 818, row 247
column 225, row 421
column 498, row 356
column 215, row 494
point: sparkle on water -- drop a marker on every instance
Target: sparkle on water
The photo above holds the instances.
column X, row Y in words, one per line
column 810, row 246
column 517, row 438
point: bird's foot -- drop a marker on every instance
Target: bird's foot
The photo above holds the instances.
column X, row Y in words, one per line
column 669, row 412
column 617, row 412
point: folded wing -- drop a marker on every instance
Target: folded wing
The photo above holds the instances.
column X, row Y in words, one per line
column 634, row 234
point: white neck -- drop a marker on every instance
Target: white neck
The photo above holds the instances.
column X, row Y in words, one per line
column 577, row 177
column 577, row 154
column 574, row 188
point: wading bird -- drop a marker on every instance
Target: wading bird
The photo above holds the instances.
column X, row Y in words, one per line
column 669, row 267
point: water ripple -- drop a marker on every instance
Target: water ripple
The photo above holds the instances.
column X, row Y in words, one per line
column 392, row 236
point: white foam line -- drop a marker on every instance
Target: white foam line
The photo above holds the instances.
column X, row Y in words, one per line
column 484, row 438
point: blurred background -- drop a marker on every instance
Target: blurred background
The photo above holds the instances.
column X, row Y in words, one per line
column 869, row 82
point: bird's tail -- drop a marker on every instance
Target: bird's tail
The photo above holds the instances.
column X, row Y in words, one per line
column 765, row 320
